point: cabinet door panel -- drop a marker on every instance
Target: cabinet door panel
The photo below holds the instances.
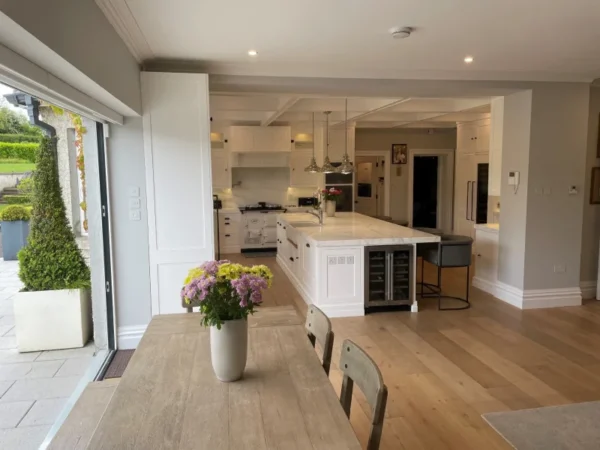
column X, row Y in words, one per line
column 221, row 175
column 483, row 138
column 241, row 139
column 299, row 159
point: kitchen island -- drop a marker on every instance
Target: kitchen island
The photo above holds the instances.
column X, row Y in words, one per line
column 350, row 263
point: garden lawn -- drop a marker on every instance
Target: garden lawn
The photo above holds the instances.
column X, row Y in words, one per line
column 16, row 166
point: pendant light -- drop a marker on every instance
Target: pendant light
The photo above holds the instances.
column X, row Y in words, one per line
column 346, row 167
column 313, row 167
column 327, row 166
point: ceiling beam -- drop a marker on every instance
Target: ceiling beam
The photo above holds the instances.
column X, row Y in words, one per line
column 372, row 111
column 283, row 108
column 425, row 119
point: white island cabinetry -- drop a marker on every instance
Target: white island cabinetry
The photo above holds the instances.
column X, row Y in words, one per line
column 326, row 263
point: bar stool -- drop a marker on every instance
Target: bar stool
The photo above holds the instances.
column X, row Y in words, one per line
column 451, row 251
column 425, row 246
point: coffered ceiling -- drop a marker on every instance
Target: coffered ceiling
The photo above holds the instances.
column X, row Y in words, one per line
column 234, row 109
column 535, row 40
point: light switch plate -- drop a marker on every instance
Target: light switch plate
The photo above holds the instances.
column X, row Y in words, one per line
column 135, row 215
column 134, row 191
column 134, row 203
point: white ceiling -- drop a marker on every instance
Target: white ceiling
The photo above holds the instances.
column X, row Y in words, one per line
column 265, row 110
column 536, row 40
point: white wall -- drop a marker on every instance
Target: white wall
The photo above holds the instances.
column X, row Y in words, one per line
column 382, row 140
column 78, row 31
column 591, row 213
column 126, row 168
column 269, row 185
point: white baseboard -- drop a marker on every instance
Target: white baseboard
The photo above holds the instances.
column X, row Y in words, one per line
column 588, row 289
column 129, row 337
column 343, row 310
column 530, row 298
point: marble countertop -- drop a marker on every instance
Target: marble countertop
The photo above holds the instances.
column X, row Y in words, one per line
column 353, row 229
column 493, row 227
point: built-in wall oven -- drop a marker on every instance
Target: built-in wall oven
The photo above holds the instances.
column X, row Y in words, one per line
column 344, row 183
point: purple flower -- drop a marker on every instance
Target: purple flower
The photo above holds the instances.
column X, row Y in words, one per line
column 249, row 289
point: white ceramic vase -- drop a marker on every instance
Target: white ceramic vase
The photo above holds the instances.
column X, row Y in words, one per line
column 229, row 349
column 330, row 208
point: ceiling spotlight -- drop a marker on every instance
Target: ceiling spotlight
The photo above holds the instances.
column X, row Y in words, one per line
column 400, row 32
column 468, row 59
column 252, row 53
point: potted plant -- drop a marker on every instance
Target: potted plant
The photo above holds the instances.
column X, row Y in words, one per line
column 53, row 310
column 15, row 228
column 226, row 293
column 329, row 198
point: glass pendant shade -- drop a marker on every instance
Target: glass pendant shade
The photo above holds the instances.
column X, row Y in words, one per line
column 313, row 167
column 327, row 166
column 346, row 167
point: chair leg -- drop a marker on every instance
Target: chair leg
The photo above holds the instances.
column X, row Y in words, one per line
column 439, row 285
column 465, row 300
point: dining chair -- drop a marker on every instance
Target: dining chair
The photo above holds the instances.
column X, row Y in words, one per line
column 359, row 368
column 318, row 328
column 190, row 307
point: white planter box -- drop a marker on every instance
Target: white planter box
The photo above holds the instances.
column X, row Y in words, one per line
column 52, row 320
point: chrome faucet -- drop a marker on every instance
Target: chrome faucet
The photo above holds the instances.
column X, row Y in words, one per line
column 318, row 213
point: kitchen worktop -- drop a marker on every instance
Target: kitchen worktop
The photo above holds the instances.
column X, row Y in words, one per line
column 353, row 229
column 492, row 227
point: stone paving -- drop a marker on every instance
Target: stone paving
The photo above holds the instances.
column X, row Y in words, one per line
column 34, row 387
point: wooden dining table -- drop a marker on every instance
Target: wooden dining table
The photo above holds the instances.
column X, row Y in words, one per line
column 169, row 397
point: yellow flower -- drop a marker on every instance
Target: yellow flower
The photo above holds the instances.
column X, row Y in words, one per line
column 193, row 274
column 264, row 272
column 230, row 271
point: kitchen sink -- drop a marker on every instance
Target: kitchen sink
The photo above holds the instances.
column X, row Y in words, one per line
column 304, row 224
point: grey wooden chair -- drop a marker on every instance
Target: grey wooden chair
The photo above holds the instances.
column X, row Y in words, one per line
column 318, row 328
column 189, row 307
column 359, row 368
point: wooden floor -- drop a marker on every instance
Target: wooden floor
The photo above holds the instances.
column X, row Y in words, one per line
column 444, row 369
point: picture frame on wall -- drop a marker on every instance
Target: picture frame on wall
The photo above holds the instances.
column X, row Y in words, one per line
column 399, row 153
column 595, row 186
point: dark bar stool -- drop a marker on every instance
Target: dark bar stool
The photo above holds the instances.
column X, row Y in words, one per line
column 451, row 251
column 425, row 246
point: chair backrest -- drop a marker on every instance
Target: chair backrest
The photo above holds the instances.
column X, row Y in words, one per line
column 318, row 328
column 189, row 306
column 359, row 368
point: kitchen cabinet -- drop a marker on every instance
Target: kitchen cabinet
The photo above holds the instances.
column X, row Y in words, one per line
column 486, row 258
column 299, row 159
column 243, row 139
column 221, row 171
column 230, row 232
column 465, row 192
column 473, row 137
column 496, row 133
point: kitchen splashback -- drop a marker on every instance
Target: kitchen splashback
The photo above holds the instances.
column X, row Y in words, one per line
column 269, row 185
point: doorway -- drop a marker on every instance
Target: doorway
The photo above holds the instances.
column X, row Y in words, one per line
column 370, row 185
column 425, row 192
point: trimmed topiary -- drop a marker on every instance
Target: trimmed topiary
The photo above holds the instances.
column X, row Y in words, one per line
column 14, row 213
column 51, row 259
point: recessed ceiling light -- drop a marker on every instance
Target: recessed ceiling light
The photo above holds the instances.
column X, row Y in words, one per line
column 469, row 59
column 252, row 53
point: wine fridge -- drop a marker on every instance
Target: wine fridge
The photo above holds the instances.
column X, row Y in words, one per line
column 388, row 275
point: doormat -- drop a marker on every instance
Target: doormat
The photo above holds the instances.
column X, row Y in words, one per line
column 259, row 254
column 118, row 364
column 564, row 427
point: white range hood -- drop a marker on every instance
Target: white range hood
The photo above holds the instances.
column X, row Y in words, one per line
column 260, row 160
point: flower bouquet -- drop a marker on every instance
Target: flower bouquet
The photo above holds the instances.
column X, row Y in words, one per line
column 329, row 198
column 226, row 294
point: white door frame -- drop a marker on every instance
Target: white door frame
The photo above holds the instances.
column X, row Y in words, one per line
column 386, row 177
column 445, row 184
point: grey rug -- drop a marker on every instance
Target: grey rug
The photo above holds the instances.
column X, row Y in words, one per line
column 565, row 427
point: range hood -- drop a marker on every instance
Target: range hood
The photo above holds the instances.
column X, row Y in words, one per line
column 260, row 160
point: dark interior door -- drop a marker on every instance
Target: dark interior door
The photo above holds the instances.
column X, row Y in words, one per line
column 425, row 192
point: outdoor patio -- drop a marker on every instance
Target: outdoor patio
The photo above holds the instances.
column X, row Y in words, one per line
column 34, row 387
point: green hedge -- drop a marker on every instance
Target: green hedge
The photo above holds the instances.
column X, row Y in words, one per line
column 21, row 150
column 16, row 199
column 15, row 212
column 16, row 138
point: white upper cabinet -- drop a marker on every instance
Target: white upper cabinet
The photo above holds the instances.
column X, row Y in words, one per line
column 497, row 128
column 299, row 159
column 259, row 139
column 473, row 137
column 221, row 171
